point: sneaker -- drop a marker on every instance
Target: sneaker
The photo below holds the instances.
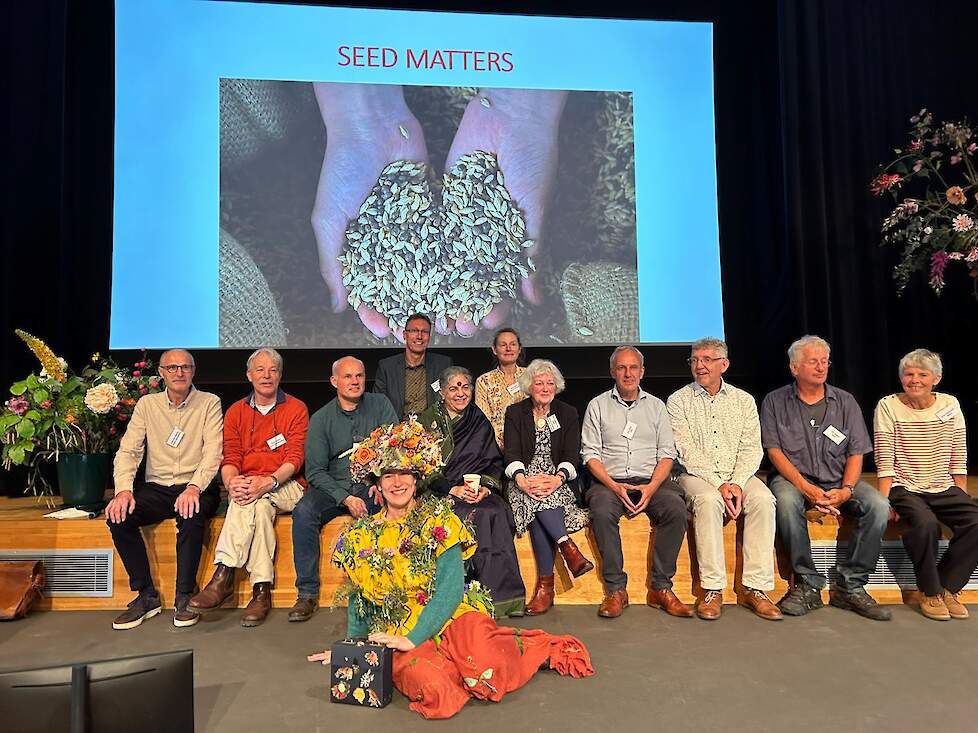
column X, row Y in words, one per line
column 801, row 599
column 934, row 608
column 955, row 608
column 861, row 602
column 142, row 607
column 182, row 615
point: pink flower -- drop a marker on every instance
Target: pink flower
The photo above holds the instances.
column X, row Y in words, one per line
column 963, row 223
column 18, row 405
column 137, row 373
column 422, row 598
column 884, row 182
column 46, row 404
column 154, row 383
column 972, row 148
column 915, row 145
column 972, row 256
column 439, row 533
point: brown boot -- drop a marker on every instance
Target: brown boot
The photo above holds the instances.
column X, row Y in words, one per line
column 613, row 604
column 543, row 596
column 216, row 592
column 575, row 561
column 667, row 601
column 259, row 606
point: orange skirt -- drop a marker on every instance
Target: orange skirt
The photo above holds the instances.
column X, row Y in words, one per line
column 477, row 658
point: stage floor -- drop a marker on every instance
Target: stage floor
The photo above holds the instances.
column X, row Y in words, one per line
column 831, row 670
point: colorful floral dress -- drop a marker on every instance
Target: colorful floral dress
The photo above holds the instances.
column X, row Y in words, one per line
column 492, row 395
column 396, row 570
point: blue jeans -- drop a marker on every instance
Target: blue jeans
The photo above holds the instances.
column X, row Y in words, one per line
column 313, row 511
column 871, row 511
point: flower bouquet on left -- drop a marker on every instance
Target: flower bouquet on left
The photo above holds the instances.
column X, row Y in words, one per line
column 60, row 411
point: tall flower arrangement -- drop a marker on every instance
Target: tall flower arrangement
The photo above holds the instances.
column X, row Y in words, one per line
column 934, row 184
column 406, row 446
column 59, row 411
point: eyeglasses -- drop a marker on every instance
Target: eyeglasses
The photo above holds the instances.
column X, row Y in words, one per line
column 704, row 360
column 174, row 368
column 416, row 331
column 817, row 362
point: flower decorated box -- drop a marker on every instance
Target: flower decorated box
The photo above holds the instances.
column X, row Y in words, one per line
column 361, row 673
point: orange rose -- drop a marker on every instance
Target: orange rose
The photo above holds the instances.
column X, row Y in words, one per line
column 956, row 196
column 411, row 442
column 364, row 455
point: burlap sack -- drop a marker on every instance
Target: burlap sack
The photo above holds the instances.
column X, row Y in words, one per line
column 255, row 112
column 601, row 300
column 249, row 315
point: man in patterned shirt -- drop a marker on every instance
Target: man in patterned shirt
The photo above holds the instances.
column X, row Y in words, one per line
column 718, row 438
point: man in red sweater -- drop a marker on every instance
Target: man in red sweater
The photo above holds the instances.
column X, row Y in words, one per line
column 264, row 446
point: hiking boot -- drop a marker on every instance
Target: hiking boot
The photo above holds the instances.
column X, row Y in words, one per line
column 144, row 606
column 858, row 600
column 934, row 608
column 801, row 599
column 303, row 609
column 182, row 613
column 955, row 608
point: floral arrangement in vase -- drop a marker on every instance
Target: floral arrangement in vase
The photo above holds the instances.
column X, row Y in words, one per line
column 60, row 411
column 935, row 186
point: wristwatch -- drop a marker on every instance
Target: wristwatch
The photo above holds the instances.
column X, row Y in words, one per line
column 851, row 487
column 275, row 483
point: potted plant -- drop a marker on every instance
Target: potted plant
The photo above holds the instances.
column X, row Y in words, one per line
column 74, row 420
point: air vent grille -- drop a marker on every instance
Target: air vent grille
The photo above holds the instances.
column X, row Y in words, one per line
column 71, row 573
column 893, row 569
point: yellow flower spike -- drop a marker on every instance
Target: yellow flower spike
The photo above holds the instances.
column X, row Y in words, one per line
column 44, row 355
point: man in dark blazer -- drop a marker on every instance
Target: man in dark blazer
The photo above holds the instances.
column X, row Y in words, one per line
column 410, row 380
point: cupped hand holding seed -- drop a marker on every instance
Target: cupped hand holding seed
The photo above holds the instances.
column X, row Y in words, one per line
column 367, row 127
column 520, row 127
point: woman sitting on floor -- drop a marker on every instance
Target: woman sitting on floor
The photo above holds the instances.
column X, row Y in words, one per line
column 414, row 600
column 543, row 447
column 920, row 458
column 469, row 447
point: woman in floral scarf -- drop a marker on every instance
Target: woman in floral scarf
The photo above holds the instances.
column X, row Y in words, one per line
column 406, row 590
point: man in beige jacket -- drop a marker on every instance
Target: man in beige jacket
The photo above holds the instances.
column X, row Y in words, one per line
column 179, row 431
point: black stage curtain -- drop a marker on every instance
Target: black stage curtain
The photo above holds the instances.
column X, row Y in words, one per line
column 811, row 95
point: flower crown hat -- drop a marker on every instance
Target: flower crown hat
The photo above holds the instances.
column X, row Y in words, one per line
column 406, row 446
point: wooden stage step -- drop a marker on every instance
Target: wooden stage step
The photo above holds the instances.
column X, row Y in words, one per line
column 23, row 527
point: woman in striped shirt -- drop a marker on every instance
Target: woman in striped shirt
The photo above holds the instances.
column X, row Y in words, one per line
column 922, row 468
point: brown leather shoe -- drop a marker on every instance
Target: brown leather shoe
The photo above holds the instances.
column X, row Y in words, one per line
column 758, row 602
column 543, row 596
column 710, row 608
column 575, row 561
column 216, row 592
column 259, row 606
column 667, row 601
column 613, row 604
column 303, row 609
column 955, row 608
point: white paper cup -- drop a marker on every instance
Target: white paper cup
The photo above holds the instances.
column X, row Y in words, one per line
column 472, row 481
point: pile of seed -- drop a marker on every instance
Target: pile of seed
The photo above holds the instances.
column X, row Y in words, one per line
column 453, row 255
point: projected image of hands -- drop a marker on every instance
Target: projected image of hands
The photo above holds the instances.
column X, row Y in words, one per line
column 349, row 207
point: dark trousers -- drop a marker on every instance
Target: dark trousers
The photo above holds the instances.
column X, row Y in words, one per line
column 494, row 563
column 922, row 512
column 154, row 503
column 666, row 510
column 314, row 510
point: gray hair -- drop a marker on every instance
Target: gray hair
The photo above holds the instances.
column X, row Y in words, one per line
column 616, row 352
column 454, row 370
column 923, row 359
column 336, row 364
column 539, row 366
column 173, row 351
column 806, row 342
column 710, row 343
column 270, row 353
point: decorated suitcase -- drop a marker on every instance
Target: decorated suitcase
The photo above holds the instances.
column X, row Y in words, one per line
column 361, row 673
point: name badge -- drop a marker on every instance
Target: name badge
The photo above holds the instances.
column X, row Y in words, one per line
column 175, row 437
column 553, row 423
column 629, row 430
column 946, row 414
column 514, row 388
column 836, row 436
column 276, row 441
column 436, row 386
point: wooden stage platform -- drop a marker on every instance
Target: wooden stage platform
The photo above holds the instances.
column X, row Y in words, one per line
column 24, row 528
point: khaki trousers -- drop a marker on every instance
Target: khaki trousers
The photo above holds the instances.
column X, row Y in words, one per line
column 758, row 513
column 248, row 536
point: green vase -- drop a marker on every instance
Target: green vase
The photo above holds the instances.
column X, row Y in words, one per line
column 84, row 477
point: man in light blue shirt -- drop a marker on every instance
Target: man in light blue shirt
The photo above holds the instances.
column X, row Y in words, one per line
column 627, row 445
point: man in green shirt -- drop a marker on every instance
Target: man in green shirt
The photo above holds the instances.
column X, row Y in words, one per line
column 333, row 432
